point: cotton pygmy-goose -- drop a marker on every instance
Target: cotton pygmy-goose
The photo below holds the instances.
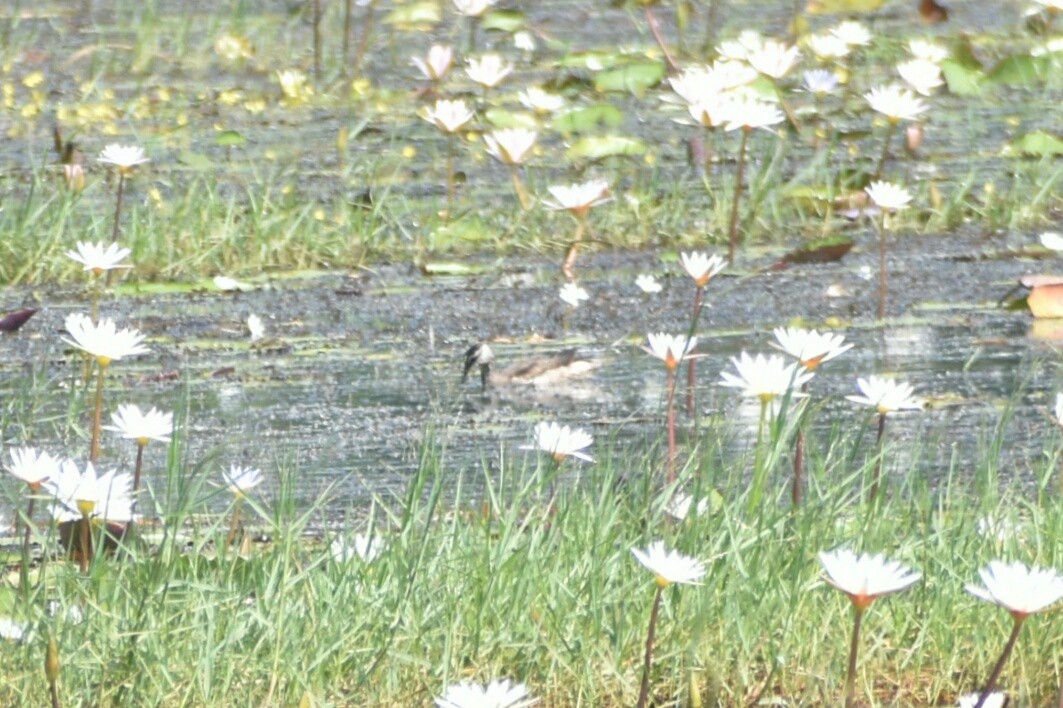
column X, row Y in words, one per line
column 543, row 371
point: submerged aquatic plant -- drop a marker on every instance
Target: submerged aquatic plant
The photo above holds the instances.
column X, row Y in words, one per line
column 863, row 579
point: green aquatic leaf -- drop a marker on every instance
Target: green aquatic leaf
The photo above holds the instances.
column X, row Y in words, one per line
column 597, row 147
column 582, row 120
column 633, row 78
column 1021, row 70
column 230, row 138
column 503, row 20
column 501, row 118
column 593, row 60
column 1035, row 144
column 962, row 80
column 830, row 7
column 415, row 15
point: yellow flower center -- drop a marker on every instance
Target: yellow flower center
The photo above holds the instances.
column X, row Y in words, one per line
column 86, row 507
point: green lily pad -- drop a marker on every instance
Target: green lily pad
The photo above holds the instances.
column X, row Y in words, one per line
column 501, row 118
column 830, row 7
column 503, row 20
column 195, row 161
column 415, row 14
column 595, row 61
column 230, row 138
column 452, row 268
column 1021, row 70
column 582, row 120
column 962, row 80
column 1035, row 144
column 633, row 78
column 597, row 147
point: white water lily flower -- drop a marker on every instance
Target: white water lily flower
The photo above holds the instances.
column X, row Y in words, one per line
column 85, row 495
column 922, row 75
column 473, row 8
column 766, row 378
column 510, row 146
column 295, row 87
column 364, row 547
column 1059, row 409
column 540, row 101
column 888, row 196
column 886, row 395
column 32, row 466
column 648, row 284
column 679, row 506
column 670, row 566
column 1052, row 240
column 774, row 59
column 713, row 111
column 241, row 480
column 255, row 327
column 671, row 349
column 740, row 49
column 996, row 699
column 224, row 282
column 827, row 46
column 124, row 157
column 853, row 33
column 488, row 70
column 11, row 630
column 497, row 694
column 560, row 441
column 865, row 578
column 99, row 258
column 572, row 294
column 448, row 116
column 132, row 424
column 104, row 340
column 701, row 266
column 922, row 49
column 751, row 113
column 820, row 81
column 579, row 198
column 1018, row 588
column 810, row 347
column 436, row 63
column 895, row 102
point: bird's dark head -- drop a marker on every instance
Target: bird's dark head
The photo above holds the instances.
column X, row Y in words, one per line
column 478, row 355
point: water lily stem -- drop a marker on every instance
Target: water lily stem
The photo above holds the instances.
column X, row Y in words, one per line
column 671, row 425
column 644, row 689
column 568, row 266
column 136, row 472
column 24, row 571
column 872, row 495
column 450, row 175
column 732, row 231
column 885, row 151
column 655, row 30
column 756, row 490
column 348, row 11
column 699, row 292
column 363, row 42
column 86, row 544
column 234, row 523
column 799, row 468
column 883, row 273
column 999, row 667
column 854, row 649
column 519, row 188
column 117, row 219
column 317, row 40
column 97, row 416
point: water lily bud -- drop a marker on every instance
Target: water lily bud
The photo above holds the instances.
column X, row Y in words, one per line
column 913, row 137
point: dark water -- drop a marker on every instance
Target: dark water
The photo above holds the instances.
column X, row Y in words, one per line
column 358, row 375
